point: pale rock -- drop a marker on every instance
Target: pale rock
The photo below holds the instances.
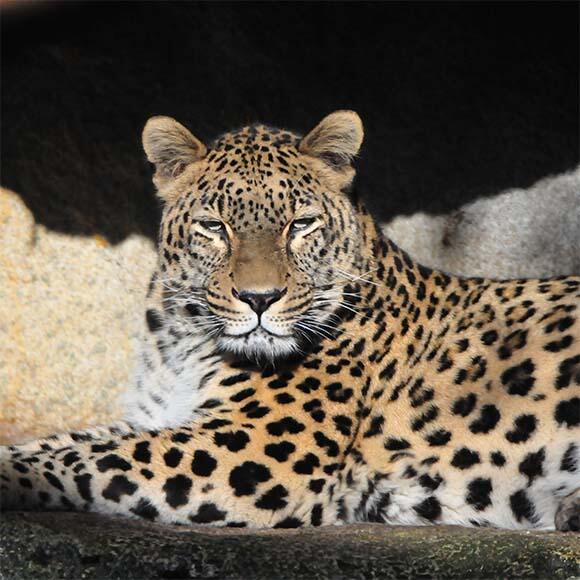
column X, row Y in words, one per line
column 71, row 313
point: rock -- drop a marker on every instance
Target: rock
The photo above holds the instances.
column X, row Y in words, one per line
column 68, row 545
column 520, row 233
column 71, row 313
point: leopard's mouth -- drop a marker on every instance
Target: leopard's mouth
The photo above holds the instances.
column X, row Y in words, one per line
column 259, row 342
column 259, row 330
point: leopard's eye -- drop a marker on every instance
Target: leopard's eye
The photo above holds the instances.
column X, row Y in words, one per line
column 212, row 226
column 302, row 224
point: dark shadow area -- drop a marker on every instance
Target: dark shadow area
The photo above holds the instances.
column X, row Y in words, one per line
column 459, row 100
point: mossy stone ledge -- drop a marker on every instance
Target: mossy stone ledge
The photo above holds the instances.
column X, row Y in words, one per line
column 71, row 545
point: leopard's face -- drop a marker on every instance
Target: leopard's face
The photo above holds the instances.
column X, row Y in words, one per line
column 258, row 240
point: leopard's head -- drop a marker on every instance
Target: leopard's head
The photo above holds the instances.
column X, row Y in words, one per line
column 259, row 239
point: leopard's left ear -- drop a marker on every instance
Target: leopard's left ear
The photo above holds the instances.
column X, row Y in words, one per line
column 335, row 140
column 171, row 148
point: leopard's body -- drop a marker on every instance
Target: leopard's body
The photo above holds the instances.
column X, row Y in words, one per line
column 300, row 369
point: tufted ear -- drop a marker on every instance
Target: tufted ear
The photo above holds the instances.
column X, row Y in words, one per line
column 336, row 139
column 170, row 147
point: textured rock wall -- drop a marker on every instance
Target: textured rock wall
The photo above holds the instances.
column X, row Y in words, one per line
column 70, row 317
column 520, row 233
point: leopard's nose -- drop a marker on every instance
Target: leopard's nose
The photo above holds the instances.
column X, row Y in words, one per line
column 259, row 301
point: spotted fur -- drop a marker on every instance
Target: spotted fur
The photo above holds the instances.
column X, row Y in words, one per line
column 300, row 369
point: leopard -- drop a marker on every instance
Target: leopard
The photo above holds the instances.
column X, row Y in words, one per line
column 300, row 369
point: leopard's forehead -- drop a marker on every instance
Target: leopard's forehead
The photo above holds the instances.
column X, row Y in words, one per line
column 257, row 152
column 257, row 174
column 256, row 139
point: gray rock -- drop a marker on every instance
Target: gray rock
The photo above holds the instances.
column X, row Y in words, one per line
column 519, row 233
column 68, row 545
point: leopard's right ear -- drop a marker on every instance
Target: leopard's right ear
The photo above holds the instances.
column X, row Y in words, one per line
column 171, row 148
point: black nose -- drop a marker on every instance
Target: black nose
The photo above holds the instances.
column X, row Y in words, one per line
column 259, row 301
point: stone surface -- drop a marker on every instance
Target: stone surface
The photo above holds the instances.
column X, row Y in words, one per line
column 519, row 233
column 71, row 312
column 66, row 545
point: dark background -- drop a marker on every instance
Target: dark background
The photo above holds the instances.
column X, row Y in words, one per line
column 459, row 100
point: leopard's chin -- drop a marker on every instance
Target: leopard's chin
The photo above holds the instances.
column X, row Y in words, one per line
column 259, row 344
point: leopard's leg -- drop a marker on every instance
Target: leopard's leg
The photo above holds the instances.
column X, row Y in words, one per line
column 568, row 513
column 184, row 475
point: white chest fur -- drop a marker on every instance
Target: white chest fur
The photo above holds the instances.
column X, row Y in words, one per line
column 169, row 381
